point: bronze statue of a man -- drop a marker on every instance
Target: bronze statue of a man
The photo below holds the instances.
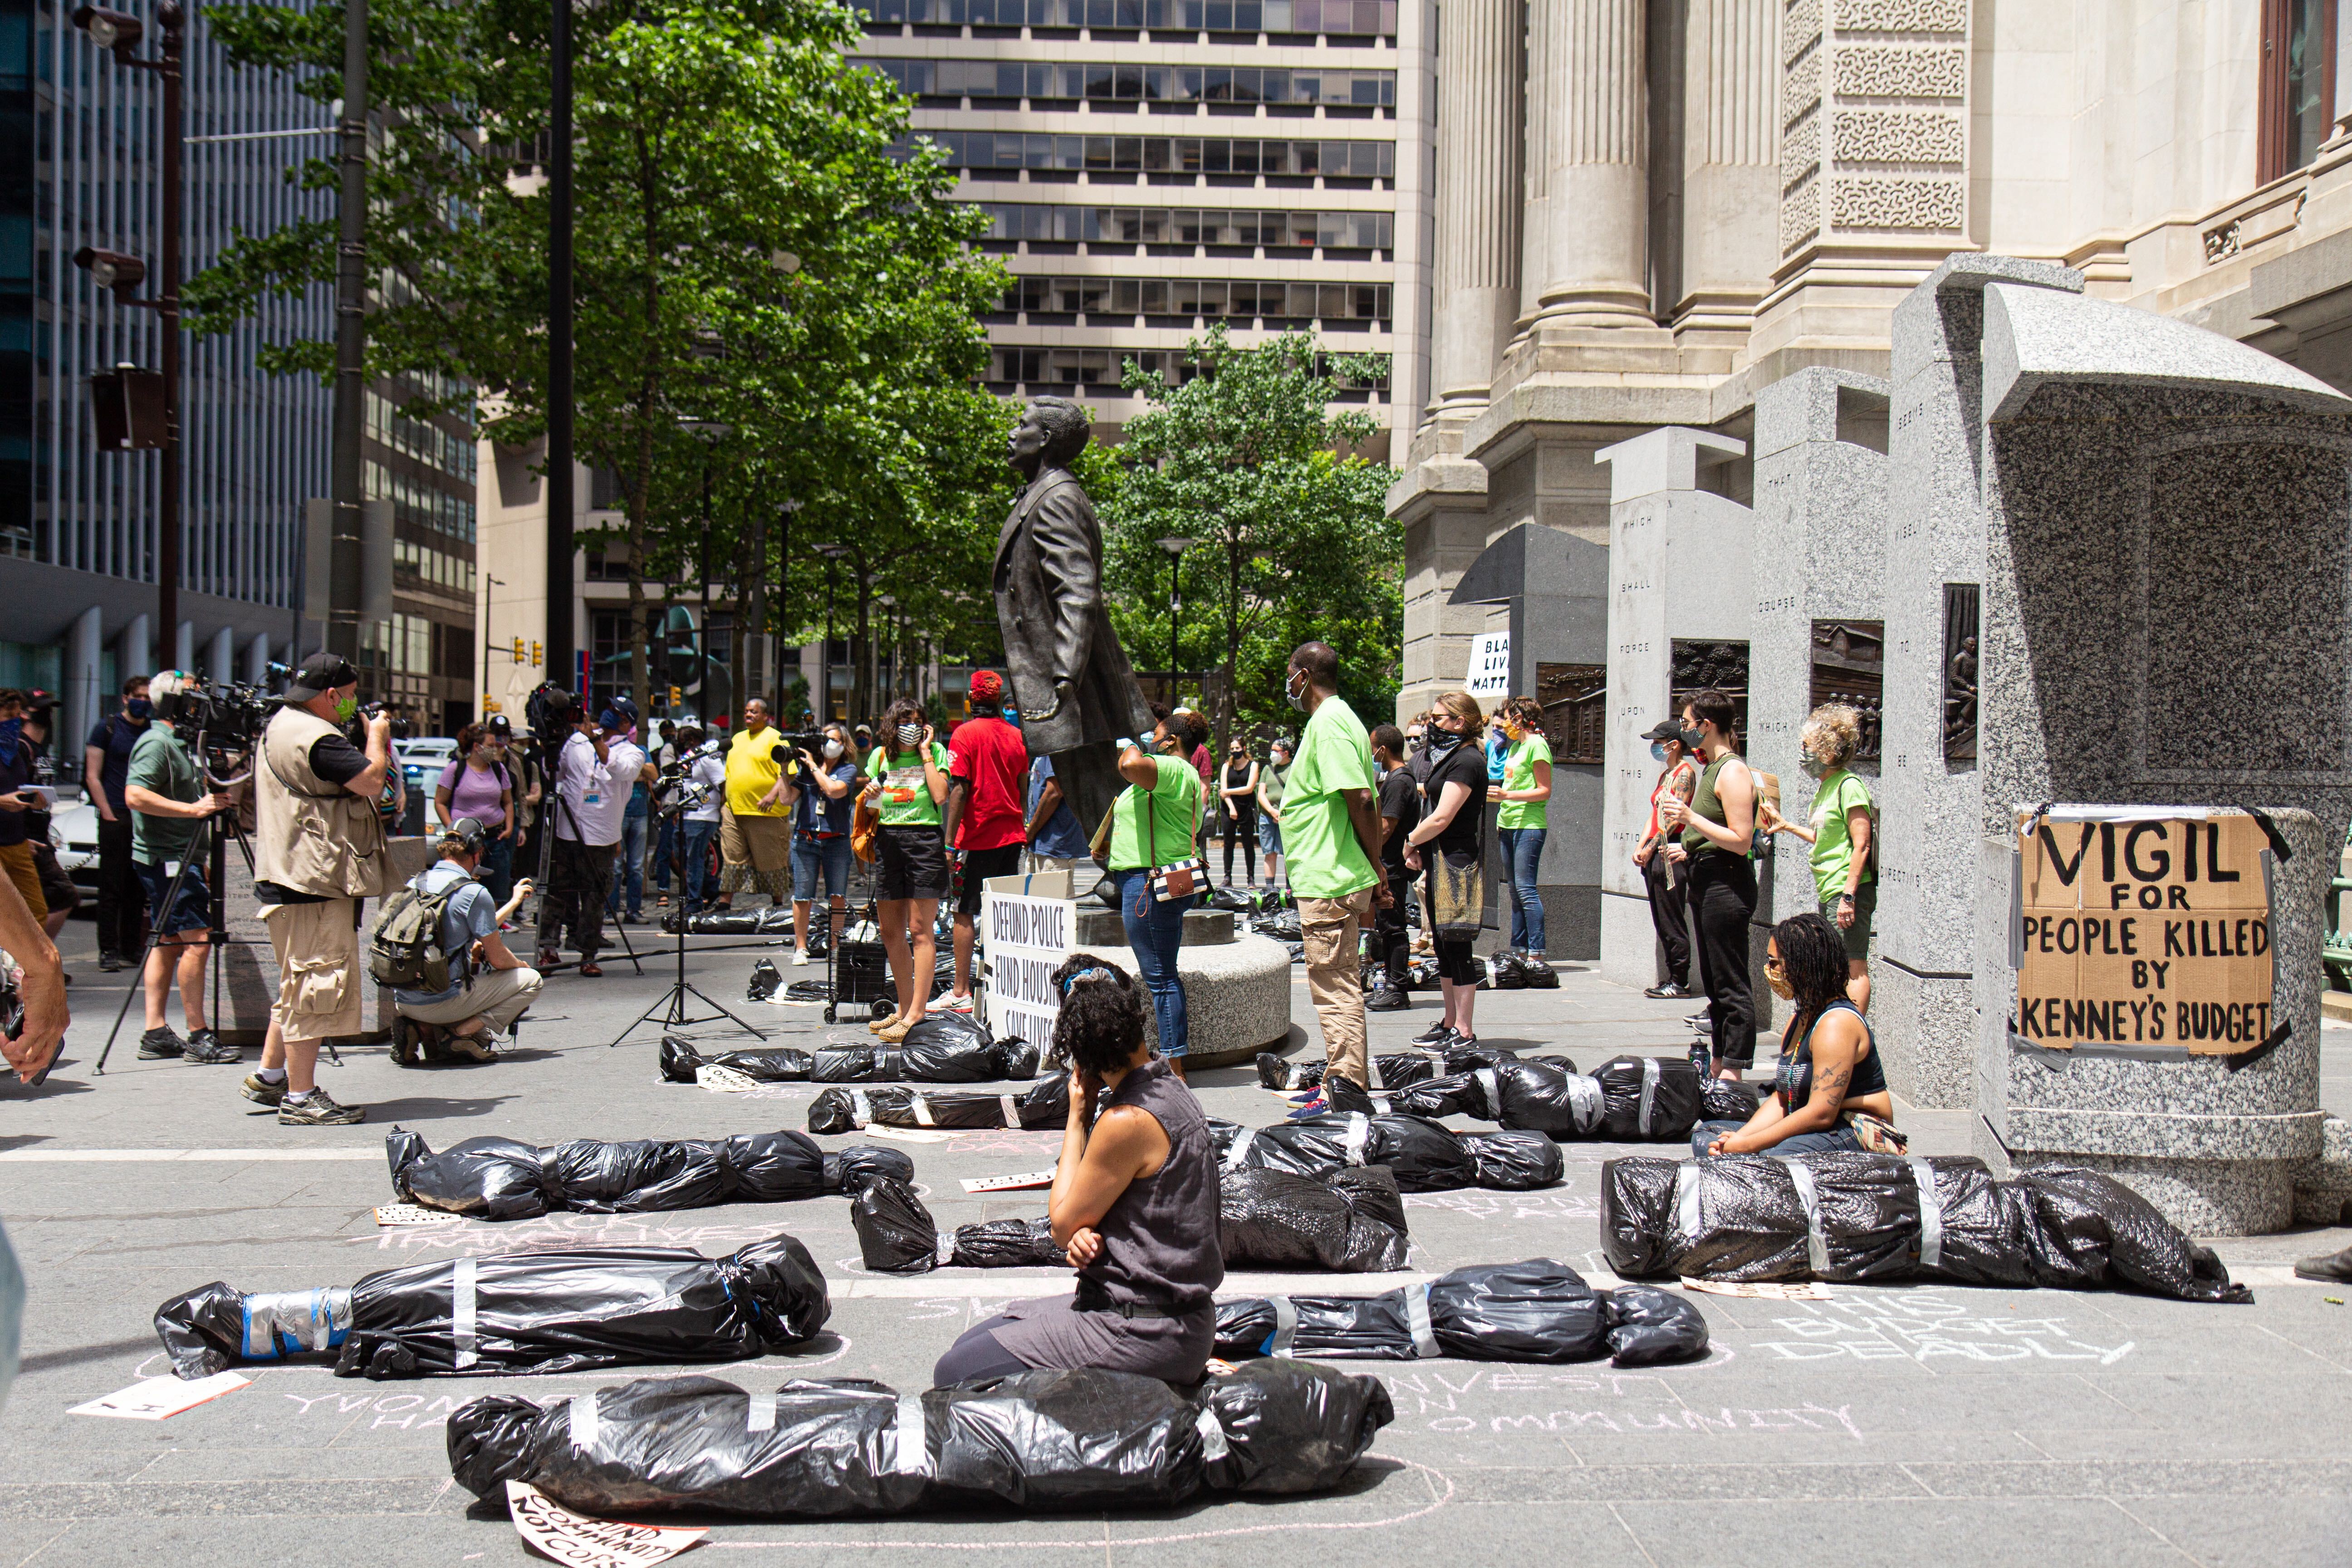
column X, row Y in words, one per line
column 1071, row 680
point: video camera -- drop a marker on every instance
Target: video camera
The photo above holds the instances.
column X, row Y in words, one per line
column 549, row 709
column 230, row 715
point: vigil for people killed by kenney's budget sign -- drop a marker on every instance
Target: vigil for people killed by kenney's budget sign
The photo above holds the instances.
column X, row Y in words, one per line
column 2144, row 932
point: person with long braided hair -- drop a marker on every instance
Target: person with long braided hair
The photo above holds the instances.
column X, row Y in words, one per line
column 1829, row 1066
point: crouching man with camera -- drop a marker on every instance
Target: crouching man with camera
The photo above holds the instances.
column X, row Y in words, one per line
column 453, row 925
column 320, row 848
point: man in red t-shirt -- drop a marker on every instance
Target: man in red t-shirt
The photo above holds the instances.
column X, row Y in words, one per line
column 988, row 762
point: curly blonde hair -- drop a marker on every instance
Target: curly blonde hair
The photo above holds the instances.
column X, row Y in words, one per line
column 1834, row 731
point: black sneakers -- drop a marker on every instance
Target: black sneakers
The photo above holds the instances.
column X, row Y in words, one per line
column 1385, row 1001
column 113, row 961
column 161, row 1045
column 1671, row 990
column 317, row 1109
column 204, row 1047
column 1435, row 1035
column 261, row 1091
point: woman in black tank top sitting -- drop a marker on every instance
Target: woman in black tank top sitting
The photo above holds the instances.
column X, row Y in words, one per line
column 1134, row 1204
column 1830, row 1068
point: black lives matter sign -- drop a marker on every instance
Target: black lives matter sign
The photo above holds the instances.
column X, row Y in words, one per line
column 2145, row 932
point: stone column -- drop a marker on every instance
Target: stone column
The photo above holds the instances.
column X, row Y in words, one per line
column 1588, row 167
column 1731, row 179
column 1481, row 67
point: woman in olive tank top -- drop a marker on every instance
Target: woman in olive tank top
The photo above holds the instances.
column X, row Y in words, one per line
column 1718, row 827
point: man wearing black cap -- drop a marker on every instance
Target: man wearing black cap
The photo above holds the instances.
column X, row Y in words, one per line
column 319, row 848
column 488, row 986
column 1662, row 860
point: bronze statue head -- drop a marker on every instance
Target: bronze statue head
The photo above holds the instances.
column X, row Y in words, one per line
column 1051, row 433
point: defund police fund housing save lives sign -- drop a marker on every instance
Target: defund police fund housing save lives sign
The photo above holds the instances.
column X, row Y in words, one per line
column 2141, row 928
column 1027, row 937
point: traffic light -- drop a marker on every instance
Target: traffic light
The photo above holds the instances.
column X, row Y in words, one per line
column 534, row 655
column 677, row 700
column 518, row 653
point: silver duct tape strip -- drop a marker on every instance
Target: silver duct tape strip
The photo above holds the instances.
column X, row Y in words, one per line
column 1649, row 1093
column 1372, row 1071
column 1012, row 1109
column 1239, row 1151
column 920, row 1106
column 1383, row 1104
column 1584, row 1100
column 307, row 1317
column 913, row 1454
column 584, row 1424
column 1212, row 1436
column 1490, row 1085
column 462, row 1312
column 1416, row 1314
column 1688, row 1217
column 1285, row 1325
column 1817, row 1250
column 946, row 1248
column 1931, row 1213
column 2057, row 1059
column 1359, row 1133
column 763, row 1415
column 861, row 1110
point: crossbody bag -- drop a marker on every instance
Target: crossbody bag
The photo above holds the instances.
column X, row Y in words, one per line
column 1183, row 878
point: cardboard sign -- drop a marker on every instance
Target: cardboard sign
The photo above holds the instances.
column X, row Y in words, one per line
column 1762, row 1289
column 1490, row 665
column 158, row 1397
column 1027, row 937
column 2138, row 928
column 556, row 1531
column 1008, row 1184
column 414, row 1214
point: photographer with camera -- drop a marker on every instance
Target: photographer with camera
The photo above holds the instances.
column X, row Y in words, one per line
column 319, row 848
column 587, row 806
column 620, row 722
column 167, row 798
column 489, row 987
column 701, row 793
column 825, row 799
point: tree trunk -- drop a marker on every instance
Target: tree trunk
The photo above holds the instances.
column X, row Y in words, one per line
column 738, row 605
column 1228, row 701
column 861, row 650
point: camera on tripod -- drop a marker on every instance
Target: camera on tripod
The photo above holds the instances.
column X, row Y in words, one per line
column 229, row 715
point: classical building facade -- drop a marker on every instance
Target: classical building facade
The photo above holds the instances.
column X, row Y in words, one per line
column 1648, row 211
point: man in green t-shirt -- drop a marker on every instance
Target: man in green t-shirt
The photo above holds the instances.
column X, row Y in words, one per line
column 167, row 798
column 1331, row 838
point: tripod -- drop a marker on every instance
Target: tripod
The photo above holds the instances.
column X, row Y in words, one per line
column 672, row 1002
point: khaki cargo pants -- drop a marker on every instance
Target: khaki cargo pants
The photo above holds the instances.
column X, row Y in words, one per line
column 321, row 989
column 1329, row 930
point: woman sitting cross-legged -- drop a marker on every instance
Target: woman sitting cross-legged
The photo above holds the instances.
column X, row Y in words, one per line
column 1134, row 1204
column 1831, row 1072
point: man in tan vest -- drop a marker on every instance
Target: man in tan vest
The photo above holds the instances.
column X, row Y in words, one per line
column 320, row 848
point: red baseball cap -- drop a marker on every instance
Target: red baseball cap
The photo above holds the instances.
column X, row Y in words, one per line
column 987, row 683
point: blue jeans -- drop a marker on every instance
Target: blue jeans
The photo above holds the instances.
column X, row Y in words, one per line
column 694, row 853
column 1836, row 1141
column 1522, row 853
column 665, row 846
column 811, row 856
column 1155, row 932
column 632, row 869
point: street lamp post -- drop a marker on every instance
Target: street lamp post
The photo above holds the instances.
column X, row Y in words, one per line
column 561, row 632
column 120, row 32
column 1175, row 544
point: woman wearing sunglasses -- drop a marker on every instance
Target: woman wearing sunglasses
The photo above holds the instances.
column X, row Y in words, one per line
column 1829, row 1070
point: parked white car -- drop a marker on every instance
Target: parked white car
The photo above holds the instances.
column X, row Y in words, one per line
column 73, row 833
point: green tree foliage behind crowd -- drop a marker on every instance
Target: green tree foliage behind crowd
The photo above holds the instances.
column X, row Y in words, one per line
column 771, row 308
column 1293, row 542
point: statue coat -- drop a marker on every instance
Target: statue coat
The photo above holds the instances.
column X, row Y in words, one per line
column 1049, row 605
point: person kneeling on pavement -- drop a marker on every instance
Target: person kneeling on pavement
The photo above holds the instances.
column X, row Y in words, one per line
column 474, row 1015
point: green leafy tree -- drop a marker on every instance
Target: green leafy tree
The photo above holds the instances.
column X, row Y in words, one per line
column 1292, row 540
column 750, row 261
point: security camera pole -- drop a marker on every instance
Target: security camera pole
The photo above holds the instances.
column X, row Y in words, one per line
column 120, row 32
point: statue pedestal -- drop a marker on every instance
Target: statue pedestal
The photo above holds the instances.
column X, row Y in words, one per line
column 1236, row 986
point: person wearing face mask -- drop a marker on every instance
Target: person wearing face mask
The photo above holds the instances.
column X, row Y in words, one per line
column 1844, row 832
column 987, row 764
column 477, row 783
column 1718, row 825
column 1830, row 1068
column 908, row 787
column 1152, row 826
column 106, row 759
column 1452, row 824
column 1239, row 793
column 699, row 828
column 1525, row 792
column 1332, row 816
column 824, row 798
column 1272, row 780
column 1660, row 857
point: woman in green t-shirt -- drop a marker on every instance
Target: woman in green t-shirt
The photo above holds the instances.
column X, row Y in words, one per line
column 1842, row 833
column 1152, row 825
column 909, row 785
column 1526, row 794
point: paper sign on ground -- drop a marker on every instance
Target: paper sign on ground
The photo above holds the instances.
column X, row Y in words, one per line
column 909, row 1134
column 2142, row 929
column 412, row 1213
column 1761, row 1290
column 556, row 1531
column 1008, row 1184
column 728, row 1080
column 158, row 1397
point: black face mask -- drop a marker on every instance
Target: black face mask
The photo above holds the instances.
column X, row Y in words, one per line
column 1691, row 739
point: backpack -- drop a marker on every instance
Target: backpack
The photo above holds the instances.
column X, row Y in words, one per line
column 405, row 950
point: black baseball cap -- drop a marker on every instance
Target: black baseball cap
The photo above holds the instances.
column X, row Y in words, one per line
column 39, row 701
column 1664, row 730
column 321, row 673
column 497, row 724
